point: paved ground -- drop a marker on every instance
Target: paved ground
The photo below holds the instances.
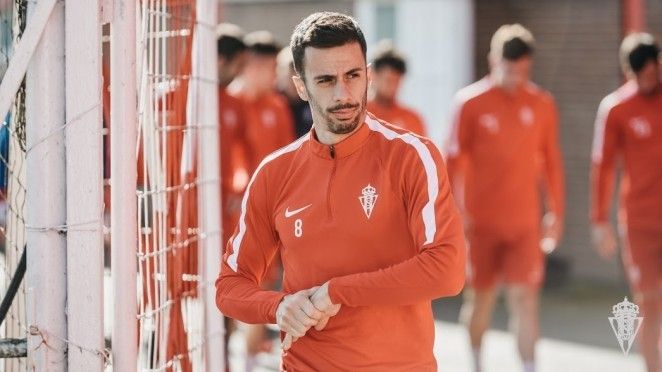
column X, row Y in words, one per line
column 500, row 354
column 576, row 336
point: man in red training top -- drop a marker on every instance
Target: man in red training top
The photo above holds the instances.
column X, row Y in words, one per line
column 388, row 69
column 360, row 213
column 234, row 157
column 503, row 144
column 269, row 121
column 629, row 128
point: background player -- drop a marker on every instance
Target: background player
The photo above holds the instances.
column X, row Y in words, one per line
column 269, row 120
column 303, row 118
column 503, row 143
column 389, row 68
column 629, row 128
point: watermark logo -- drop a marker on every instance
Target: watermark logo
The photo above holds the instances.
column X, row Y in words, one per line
column 625, row 323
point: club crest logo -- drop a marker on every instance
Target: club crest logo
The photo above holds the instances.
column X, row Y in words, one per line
column 526, row 115
column 368, row 199
column 269, row 118
column 489, row 122
column 230, row 118
column 641, row 127
column 625, row 323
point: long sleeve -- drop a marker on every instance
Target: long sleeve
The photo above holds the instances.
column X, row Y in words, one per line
column 437, row 269
column 553, row 164
column 246, row 260
column 605, row 148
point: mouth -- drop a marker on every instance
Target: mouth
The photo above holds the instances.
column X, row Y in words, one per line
column 344, row 113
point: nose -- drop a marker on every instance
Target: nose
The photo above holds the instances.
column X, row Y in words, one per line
column 341, row 92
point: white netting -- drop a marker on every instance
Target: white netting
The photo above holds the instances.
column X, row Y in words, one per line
column 12, row 183
column 170, row 312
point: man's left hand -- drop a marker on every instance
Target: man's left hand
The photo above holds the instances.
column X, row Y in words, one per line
column 322, row 302
column 551, row 232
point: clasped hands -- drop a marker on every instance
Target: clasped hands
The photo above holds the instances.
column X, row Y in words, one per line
column 300, row 311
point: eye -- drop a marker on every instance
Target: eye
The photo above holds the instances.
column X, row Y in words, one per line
column 354, row 75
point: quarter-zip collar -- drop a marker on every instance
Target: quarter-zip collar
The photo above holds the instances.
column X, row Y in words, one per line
column 343, row 148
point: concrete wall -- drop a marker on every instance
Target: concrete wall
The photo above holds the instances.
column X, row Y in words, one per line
column 439, row 54
column 276, row 16
column 577, row 60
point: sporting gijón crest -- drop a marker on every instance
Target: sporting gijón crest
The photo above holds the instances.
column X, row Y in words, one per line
column 368, row 199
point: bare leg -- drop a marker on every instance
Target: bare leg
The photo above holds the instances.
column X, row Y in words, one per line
column 650, row 342
column 256, row 342
column 476, row 315
column 523, row 306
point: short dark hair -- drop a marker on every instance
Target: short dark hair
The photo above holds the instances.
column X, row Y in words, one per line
column 324, row 30
column 387, row 56
column 512, row 42
column 637, row 49
column 262, row 43
column 229, row 40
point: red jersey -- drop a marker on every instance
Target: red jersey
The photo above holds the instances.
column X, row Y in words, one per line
column 399, row 115
column 234, row 159
column 629, row 126
column 269, row 125
column 374, row 216
column 504, row 144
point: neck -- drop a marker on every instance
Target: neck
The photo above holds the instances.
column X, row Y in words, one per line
column 499, row 83
column 246, row 89
column 252, row 93
column 326, row 137
column 384, row 101
column 650, row 92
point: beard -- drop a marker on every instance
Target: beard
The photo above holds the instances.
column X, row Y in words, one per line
column 336, row 126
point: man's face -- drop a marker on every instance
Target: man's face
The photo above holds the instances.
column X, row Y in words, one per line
column 229, row 69
column 648, row 78
column 336, row 86
column 260, row 72
column 386, row 83
column 511, row 74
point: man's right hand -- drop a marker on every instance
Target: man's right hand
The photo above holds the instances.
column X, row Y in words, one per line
column 604, row 239
column 296, row 314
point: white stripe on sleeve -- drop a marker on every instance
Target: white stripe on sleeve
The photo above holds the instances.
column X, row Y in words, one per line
column 236, row 243
column 429, row 216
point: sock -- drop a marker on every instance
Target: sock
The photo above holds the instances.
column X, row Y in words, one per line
column 529, row 366
column 475, row 352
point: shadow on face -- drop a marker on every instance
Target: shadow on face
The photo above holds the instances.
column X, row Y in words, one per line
column 513, row 74
column 648, row 78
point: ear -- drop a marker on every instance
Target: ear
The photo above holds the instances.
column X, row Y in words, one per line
column 301, row 87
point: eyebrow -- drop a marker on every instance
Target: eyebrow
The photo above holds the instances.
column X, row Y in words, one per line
column 356, row 69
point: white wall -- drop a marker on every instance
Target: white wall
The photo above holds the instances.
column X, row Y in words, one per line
column 437, row 36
